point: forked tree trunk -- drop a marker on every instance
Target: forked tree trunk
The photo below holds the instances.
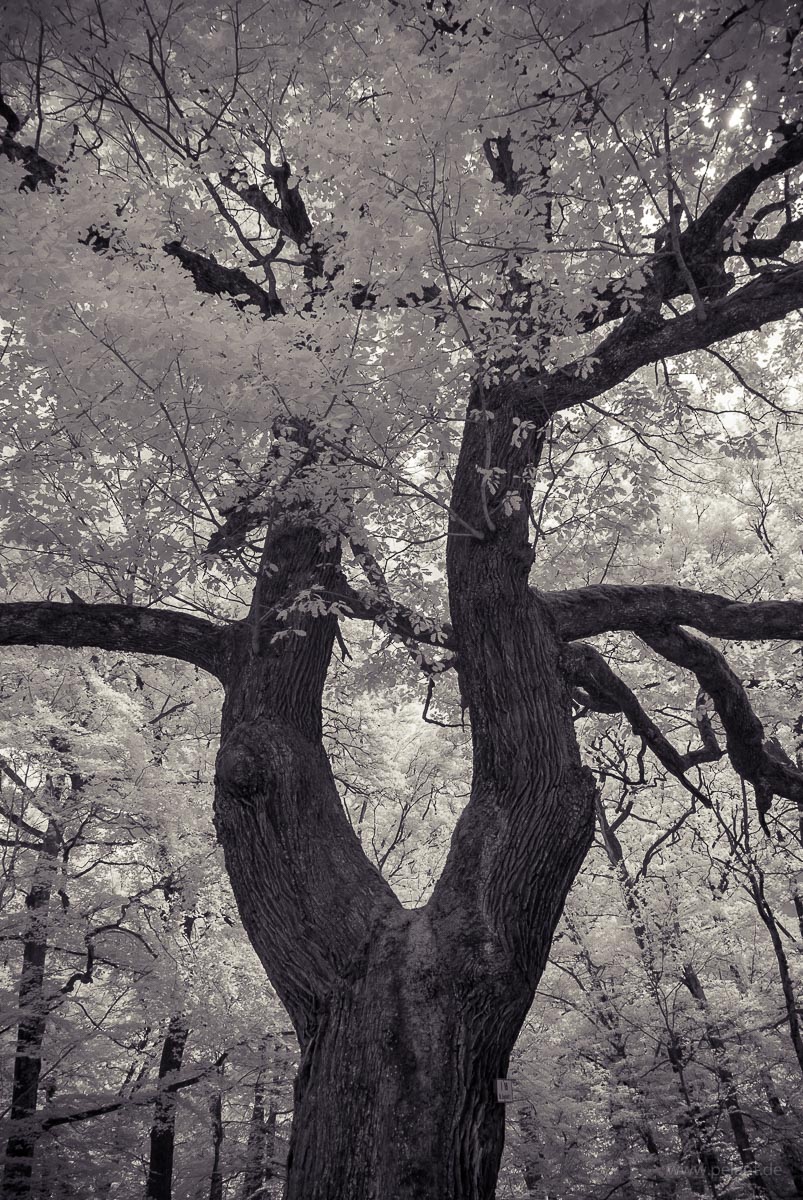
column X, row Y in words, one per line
column 405, row 1019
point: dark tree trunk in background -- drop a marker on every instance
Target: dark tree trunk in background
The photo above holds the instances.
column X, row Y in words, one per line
column 21, row 1146
column 259, row 1164
column 163, row 1128
column 729, row 1090
column 218, row 1133
column 254, row 1174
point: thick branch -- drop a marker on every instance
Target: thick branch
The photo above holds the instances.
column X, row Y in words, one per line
column 738, row 191
column 744, row 733
column 588, row 668
column 113, row 627
column 583, row 612
column 381, row 608
column 639, row 341
column 214, row 279
column 701, row 246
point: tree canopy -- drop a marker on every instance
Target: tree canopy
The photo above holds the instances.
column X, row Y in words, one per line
column 366, row 347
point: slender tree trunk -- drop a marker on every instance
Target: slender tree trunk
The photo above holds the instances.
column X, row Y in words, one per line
column 697, row 1153
column 218, row 1133
column 163, row 1128
column 787, row 986
column 792, row 1154
column 21, row 1145
column 609, row 1019
column 727, row 1082
column 256, row 1166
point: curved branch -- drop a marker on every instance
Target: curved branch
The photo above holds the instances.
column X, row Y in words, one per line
column 750, row 754
column 583, row 612
column 702, row 245
column 643, row 339
column 114, row 627
column 588, row 668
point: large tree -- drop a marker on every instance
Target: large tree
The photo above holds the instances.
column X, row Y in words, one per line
column 297, row 296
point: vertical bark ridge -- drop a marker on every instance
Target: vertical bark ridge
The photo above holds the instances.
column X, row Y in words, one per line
column 529, row 820
column 306, row 892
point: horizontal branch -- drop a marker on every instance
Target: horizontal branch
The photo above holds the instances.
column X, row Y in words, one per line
column 114, row 627
column 583, row 612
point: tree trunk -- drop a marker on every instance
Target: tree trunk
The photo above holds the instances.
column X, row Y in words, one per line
column 792, row 1155
column 608, row 1017
column 724, row 1074
column 218, row 1133
column 261, row 1142
column 406, row 1057
column 697, row 1151
column 163, row 1128
column 405, row 1018
column 21, row 1146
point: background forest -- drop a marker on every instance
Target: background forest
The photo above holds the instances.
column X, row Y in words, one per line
column 663, row 1055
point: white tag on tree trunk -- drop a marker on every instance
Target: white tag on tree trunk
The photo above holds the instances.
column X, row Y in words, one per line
column 505, row 1091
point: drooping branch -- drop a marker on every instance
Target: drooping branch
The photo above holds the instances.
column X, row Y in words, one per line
column 584, row 612
column 751, row 755
column 589, row 669
column 114, row 627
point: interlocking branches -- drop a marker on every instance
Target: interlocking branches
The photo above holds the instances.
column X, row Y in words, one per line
column 655, row 614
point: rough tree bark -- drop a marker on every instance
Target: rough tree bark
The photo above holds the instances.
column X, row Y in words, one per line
column 405, row 1019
